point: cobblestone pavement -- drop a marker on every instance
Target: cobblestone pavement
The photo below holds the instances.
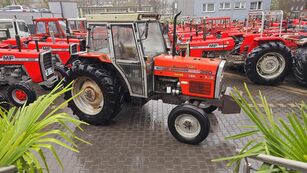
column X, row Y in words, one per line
column 139, row 141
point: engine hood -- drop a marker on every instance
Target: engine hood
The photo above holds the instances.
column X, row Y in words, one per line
column 192, row 65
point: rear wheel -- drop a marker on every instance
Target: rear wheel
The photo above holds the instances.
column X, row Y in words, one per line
column 269, row 63
column 189, row 124
column 300, row 66
column 100, row 98
column 61, row 73
column 20, row 94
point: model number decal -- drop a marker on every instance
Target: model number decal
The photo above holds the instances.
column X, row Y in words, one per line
column 8, row 58
column 46, row 48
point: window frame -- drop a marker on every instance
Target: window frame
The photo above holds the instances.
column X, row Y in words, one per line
column 91, row 41
column 224, row 6
column 117, row 59
column 206, row 11
column 240, row 5
column 257, row 5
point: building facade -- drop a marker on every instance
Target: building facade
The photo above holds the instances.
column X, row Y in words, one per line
column 236, row 9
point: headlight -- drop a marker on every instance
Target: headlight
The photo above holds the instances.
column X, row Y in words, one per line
column 219, row 79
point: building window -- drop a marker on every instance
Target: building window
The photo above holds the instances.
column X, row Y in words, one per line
column 225, row 5
column 208, row 7
column 240, row 5
column 256, row 5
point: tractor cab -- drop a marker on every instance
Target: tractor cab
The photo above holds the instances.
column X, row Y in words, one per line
column 77, row 26
column 131, row 41
column 44, row 26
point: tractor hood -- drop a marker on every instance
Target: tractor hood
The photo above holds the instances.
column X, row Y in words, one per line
column 198, row 77
column 193, row 65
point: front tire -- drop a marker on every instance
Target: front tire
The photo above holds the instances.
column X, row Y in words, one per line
column 4, row 103
column 300, row 66
column 269, row 63
column 99, row 102
column 20, row 94
column 189, row 124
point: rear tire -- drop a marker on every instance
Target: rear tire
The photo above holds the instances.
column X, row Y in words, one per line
column 61, row 73
column 100, row 102
column 20, row 94
column 189, row 124
column 300, row 66
column 269, row 63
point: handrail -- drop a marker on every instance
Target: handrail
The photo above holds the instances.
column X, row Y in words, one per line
column 9, row 169
column 287, row 163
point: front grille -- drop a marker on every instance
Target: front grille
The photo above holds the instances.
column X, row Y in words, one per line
column 83, row 45
column 200, row 87
column 73, row 49
column 47, row 60
column 46, row 65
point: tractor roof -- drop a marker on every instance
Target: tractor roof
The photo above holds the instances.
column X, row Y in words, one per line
column 122, row 17
column 48, row 19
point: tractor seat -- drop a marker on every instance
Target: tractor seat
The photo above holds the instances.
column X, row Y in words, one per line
column 302, row 42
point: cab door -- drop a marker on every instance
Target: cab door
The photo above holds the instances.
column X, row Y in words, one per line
column 126, row 56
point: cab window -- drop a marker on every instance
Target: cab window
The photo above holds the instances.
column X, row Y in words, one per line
column 40, row 28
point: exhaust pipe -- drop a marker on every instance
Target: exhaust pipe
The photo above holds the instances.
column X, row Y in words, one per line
column 175, row 34
column 36, row 45
column 17, row 37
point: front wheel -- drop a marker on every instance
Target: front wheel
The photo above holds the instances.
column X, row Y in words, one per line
column 100, row 95
column 189, row 124
column 4, row 103
column 268, row 64
column 20, row 94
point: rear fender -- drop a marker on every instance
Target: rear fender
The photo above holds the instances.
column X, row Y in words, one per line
column 261, row 40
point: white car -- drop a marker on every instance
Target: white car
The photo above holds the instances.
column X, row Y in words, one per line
column 16, row 8
column 7, row 24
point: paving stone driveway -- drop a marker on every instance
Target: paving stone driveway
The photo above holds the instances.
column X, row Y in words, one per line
column 139, row 141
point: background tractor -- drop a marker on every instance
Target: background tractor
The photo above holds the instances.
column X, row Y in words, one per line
column 127, row 59
column 19, row 68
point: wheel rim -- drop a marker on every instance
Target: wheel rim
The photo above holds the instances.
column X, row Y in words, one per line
column 91, row 100
column 187, row 126
column 271, row 65
column 19, row 96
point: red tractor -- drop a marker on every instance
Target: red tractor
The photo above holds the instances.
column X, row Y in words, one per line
column 127, row 60
column 63, row 53
column 19, row 67
column 265, row 54
column 45, row 27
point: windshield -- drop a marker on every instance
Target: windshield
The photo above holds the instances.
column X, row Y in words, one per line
column 154, row 44
column 63, row 25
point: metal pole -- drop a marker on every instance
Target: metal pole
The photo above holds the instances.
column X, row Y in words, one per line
column 175, row 34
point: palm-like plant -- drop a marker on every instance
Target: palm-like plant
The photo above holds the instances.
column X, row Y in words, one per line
column 280, row 138
column 24, row 137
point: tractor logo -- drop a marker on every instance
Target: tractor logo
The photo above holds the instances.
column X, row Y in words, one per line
column 46, row 48
column 213, row 45
column 7, row 57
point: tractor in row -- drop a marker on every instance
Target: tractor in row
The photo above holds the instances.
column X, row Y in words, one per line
column 127, row 61
column 19, row 68
column 265, row 55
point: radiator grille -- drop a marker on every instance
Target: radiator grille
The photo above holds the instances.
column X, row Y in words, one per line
column 74, row 49
column 200, row 87
column 47, row 60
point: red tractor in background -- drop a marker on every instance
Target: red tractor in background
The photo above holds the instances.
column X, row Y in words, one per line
column 59, row 27
column 63, row 53
column 19, row 68
column 127, row 60
column 77, row 27
column 265, row 54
